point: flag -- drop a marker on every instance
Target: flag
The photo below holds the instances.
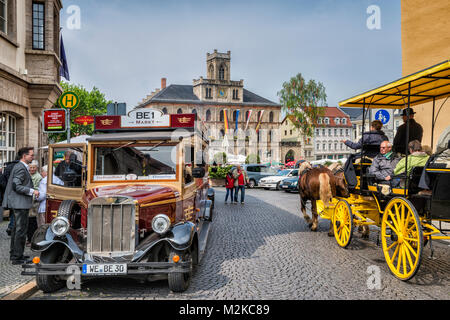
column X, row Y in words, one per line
column 248, row 119
column 225, row 120
column 259, row 120
column 237, row 120
column 64, row 69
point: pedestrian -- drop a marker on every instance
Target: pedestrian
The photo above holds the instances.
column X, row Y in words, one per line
column 18, row 198
column 240, row 180
column 32, row 218
column 6, row 173
column 42, row 199
column 229, row 185
column 373, row 137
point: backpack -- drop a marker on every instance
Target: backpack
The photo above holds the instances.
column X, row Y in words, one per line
column 4, row 177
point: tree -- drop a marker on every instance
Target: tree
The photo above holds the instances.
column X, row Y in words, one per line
column 253, row 158
column 305, row 101
column 220, row 158
column 91, row 103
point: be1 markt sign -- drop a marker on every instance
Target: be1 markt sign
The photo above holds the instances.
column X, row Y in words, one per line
column 69, row 100
column 84, row 120
column 54, row 120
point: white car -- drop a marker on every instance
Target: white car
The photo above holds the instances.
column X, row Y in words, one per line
column 275, row 181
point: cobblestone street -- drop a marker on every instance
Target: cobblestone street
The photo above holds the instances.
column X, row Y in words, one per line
column 264, row 250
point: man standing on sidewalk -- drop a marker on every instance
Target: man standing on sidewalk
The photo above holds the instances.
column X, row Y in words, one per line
column 240, row 180
column 18, row 198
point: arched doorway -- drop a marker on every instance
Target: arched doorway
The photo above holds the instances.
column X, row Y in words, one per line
column 290, row 156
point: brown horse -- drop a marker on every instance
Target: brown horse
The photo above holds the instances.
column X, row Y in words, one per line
column 319, row 184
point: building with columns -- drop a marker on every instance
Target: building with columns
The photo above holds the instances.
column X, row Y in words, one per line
column 218, row 100
column 29, row 71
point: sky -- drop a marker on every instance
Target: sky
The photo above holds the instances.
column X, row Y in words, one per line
column 125, row 47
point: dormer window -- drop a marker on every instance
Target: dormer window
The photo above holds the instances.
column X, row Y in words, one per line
column 319, row 121
column 337, row 120
column 327, row 121
column 344, row 121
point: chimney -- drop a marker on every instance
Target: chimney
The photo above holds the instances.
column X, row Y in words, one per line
column 163, row 83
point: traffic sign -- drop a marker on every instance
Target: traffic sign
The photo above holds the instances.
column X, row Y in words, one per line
column 383, row 115
column 69, row 100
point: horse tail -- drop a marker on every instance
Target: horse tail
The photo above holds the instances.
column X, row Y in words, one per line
column 325, row 188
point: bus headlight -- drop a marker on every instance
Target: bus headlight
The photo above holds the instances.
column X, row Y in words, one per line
column 60, row 226
column 160, row 223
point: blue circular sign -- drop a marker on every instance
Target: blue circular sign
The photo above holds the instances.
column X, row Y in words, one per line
column 383, row 116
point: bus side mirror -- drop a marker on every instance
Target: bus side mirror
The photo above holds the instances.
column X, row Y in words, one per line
column 198, row 172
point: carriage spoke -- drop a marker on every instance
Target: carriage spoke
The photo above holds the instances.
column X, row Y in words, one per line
column 400, row 255
column 404, row 259
column 411, row 264
column 402, row 217
column 395, row 252
column 390, row 226
column 393, row 220
column 411, row 249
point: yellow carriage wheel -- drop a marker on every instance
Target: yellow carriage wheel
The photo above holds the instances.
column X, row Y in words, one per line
column 402, row 238
column 343, row 223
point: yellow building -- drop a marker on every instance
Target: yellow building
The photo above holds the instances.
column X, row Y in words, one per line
column 426, row 42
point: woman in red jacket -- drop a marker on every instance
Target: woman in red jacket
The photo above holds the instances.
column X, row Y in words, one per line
column 229, row 184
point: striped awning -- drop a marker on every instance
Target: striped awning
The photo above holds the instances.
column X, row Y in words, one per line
column 423, row 86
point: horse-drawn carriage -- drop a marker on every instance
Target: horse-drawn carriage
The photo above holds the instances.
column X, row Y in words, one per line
column 408, row 218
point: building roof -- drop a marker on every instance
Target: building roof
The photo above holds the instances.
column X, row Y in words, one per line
column 353, row 113
column 176, row 93
column 334, row 112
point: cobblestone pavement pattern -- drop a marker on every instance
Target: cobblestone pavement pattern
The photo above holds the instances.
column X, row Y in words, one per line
column 10, row 278
column 264, row 250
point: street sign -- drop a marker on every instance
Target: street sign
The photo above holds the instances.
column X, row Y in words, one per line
column 54, row 120
column 383, row 115
column 84, row 120
column 69, row 100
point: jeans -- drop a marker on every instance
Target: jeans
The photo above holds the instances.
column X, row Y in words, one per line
column 11, row 219
column 19, row 233
column 236, row 192
column 229, row 192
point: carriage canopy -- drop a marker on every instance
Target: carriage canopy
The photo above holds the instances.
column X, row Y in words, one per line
column 423, row 86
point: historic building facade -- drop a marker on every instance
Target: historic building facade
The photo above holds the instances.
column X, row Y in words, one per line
column 239, row 122
column 332, row 128
column 295, row 146
column 29, row 71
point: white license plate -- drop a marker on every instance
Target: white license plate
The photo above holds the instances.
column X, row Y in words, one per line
column 104, row 269
column 285, row 187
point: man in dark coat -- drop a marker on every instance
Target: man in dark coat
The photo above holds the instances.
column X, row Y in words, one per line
column 18, row 198
column 415, row 132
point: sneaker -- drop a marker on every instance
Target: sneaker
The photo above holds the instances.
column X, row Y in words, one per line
column 8, row 231
column 242, row 202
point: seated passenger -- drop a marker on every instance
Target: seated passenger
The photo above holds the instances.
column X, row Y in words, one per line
column 384, row 163
column 374, row 137
column 417, row 158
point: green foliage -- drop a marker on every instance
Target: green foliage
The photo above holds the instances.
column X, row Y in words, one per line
column 220, row 158
column 302, row 100
column 91, row 103
column 253, row 158
column 221, row 172
column 328, row 163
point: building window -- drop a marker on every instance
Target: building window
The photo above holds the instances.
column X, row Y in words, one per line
column 164, row 110
column 180, row 111
column 208, row 115
column 7, row 138
column 271, row 116
column 318, row 146
column 329, row 132
column 234, row 115
column 327, row 121
column 335, row 132
column 346, row 132
column 3, row 16
column 38, row 26
column 221, row 73
column 324, row 132
column 290, row 132
column 342, row 132
column 235, row 94
column 336, row 120
column 285, row 132
column 319, row 121
column 344, row 121
column 208, row 93
column 318, row 132
column 221, row 115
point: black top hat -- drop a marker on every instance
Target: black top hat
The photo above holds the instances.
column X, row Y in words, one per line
column 411, row 111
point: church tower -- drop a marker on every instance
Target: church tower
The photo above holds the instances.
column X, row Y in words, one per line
column 218, row 86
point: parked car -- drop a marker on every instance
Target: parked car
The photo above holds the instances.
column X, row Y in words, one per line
column 290, row 184
column 275, row 180
column 256, row 172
